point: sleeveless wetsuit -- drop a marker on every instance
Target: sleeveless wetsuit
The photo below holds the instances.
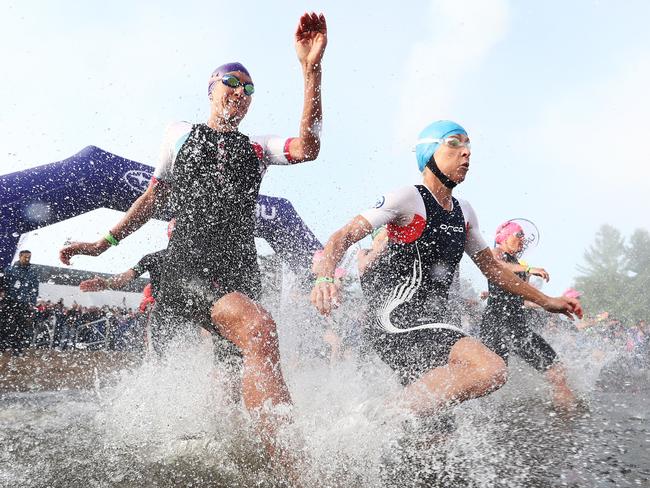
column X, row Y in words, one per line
column 505, row 330
column 407, row 288
column 214, row 183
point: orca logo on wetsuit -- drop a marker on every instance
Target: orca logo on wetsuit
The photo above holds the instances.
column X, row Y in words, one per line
column 380, row 202
column 452, row 228
column 137, row 180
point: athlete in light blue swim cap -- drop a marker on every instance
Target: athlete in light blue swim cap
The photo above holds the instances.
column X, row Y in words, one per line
column 439, row 132
column 407, row 285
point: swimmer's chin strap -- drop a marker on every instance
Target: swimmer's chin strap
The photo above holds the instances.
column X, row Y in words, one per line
column 439, row 174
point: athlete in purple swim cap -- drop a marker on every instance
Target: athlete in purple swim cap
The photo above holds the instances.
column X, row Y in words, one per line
column 209, row 174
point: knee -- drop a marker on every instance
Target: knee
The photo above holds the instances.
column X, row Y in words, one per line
column 494, row 370
column 556, row 373
column 486, row 366
column 262, row 335
column 254, row 332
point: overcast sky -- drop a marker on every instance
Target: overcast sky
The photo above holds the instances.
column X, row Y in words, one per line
column 553, row 95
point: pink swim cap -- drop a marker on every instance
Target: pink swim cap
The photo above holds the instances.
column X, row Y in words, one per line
column 507, row 229
column 572, row 293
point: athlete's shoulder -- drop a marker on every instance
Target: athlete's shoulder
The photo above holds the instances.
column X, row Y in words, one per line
column 398, row 206
column 475, row 242
column 177, row 132
column 260, row 144
column 403, row 194
column 466, row 207
column 179, row 127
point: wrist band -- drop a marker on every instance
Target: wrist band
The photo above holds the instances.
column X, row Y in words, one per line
column 111, row 240
column 324, row 279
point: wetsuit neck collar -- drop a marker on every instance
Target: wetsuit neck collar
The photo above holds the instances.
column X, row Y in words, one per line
column 451, row 200
column 444, row 179
column 220, row 125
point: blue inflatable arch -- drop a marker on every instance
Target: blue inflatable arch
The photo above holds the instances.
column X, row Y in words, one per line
column 94, row 178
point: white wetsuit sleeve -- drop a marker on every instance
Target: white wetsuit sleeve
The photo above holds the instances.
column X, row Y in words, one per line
column 474, row 242
column 272, row 150
column 175, row 135
column 397, row 207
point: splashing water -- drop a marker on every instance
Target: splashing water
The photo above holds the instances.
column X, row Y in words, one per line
column 177, row 421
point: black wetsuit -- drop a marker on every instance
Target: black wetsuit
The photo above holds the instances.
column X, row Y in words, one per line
column 153, row 263
column 214, row 188
column 407, row 287
column 505, row 330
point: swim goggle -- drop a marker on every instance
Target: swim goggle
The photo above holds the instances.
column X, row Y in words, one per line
column 452, row 142
column 231, row 81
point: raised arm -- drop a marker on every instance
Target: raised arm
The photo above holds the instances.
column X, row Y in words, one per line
column 506, row 279
column 311, row 39
column 140, row 212
column 325, row 294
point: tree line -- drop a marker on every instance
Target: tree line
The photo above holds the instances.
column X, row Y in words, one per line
column 616, row 275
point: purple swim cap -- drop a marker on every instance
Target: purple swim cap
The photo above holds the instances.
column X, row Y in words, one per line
column 222, row 70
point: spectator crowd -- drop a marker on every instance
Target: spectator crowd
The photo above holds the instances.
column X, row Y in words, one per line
column 26, row 321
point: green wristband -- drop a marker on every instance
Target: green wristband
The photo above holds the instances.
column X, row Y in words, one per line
column 528, row 269
column 111, row 240
column 324, row 279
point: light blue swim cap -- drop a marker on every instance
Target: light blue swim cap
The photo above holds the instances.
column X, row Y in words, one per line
column 440, row 129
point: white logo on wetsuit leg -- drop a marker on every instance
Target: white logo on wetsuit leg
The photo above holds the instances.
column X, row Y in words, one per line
column 264, row 212
column 452, row 228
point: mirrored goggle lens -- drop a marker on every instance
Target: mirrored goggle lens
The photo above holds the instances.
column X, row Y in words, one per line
column 233, row 82
column 230, row 81
column 457, row 143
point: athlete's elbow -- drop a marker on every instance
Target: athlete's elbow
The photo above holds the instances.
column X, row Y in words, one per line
column 308, row 150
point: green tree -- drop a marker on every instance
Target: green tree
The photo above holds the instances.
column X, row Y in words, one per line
column 603, row 279
column 638, row 269
column 616, row 276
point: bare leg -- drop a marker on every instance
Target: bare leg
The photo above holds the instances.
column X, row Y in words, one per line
column 472, row 371
column 563, row 397
column 334, row 341
column 251, row 328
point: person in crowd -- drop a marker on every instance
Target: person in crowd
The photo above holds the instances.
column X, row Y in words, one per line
column 20, row 292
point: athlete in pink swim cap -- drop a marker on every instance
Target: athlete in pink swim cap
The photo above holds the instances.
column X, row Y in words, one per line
column 572, row 293
column 507, row 229
column 504, row 327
